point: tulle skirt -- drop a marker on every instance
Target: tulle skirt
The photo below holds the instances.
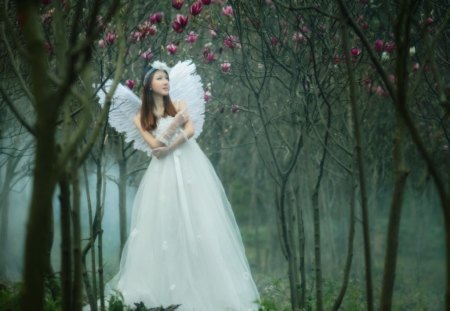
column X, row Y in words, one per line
column 184, row 245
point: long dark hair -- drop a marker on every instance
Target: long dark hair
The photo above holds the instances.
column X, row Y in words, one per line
column 148, row 118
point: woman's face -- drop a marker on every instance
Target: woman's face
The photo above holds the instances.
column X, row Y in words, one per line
column 160, row 83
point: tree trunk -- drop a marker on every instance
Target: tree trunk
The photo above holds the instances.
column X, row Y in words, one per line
column 123, row 202
column 77, row 265
column 66, row 244
column 39, row 219
column 348, row 262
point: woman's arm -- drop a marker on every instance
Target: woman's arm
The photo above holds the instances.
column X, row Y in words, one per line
column 188, row 126
column 149, row 138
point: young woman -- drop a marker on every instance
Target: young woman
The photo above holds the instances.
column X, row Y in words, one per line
column 184, row 245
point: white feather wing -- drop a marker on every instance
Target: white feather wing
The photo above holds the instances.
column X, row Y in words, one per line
column 186, row 84
column 124, row 106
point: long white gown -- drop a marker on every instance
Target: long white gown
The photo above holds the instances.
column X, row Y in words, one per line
column 184, row 245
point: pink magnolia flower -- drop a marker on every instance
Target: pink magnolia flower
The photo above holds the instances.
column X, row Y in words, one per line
column 192, row 37
column 136, row 36
column 130, row 84
column 355, row 51
column 156, row 18
column 206, row 2
column 207, row 96
column 231, row 42
column 101, row 43
column 274, row 40
column 378, row 90
column 177, row 4
column 416, row 66
column 147, row 28
column 147, row 55
column 429, row 21
column 389, row 46
column 196, row 8
column 379, row 45
column 226, row 67
column 213, row 33
column 176, row 26
column 234, row 108
column 298, row 37
column 228, row 11
column 111, row 37
column 171, row 48
column 208, row 55
column 182, row 20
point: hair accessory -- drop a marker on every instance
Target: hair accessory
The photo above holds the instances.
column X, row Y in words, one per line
column 157, row 65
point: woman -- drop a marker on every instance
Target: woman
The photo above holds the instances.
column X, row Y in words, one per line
column 184, row 245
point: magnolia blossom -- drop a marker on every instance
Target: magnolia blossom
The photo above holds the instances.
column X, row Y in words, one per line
column 274, row 40
column 177, row 4
column 234, row 108
column 213, row 33
column 416, row 66
column 336, row 59
column 389, row 46
column 111, row 37
column 130, row 84
column 171, row 48
column 101, row 43
column 208, row 55
column 207, row 96
column 147, row 28
column 298, row 37
column 192, row 37
column 379, row 45
column 147, row 55
column 228, row 11
column 355, row 51
column 196, row 8
column 231, row 42
column 136, row 36
column 156, row 18
column 226, row 67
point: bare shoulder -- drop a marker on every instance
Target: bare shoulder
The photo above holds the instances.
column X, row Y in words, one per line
column 180, row 104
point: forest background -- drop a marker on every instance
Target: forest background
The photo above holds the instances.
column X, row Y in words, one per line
column 327, row 123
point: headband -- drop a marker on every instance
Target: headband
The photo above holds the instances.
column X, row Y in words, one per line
column 157, row 65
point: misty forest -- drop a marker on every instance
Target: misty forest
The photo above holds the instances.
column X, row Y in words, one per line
column 327, row 122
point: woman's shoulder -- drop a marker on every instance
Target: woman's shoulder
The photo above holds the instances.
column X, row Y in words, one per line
column 179, row 104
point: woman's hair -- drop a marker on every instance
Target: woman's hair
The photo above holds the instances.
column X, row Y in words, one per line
column 148, row 118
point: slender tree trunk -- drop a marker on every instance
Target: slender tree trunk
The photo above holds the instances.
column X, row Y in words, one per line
column 350, row 241
column 360, row 163
column 66, row 244
column 123, row 202
column 91, row 291
column 99, row 229
column 77, row 265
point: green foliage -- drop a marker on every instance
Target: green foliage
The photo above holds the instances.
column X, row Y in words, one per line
column 11, row 299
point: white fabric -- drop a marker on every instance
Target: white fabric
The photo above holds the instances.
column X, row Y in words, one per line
column 185, row 85
column 184, row 245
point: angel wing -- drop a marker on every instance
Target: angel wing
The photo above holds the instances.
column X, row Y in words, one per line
column 124, row 106
column 186, row 84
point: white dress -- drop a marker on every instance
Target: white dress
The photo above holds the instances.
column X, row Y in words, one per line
column 184, row 245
